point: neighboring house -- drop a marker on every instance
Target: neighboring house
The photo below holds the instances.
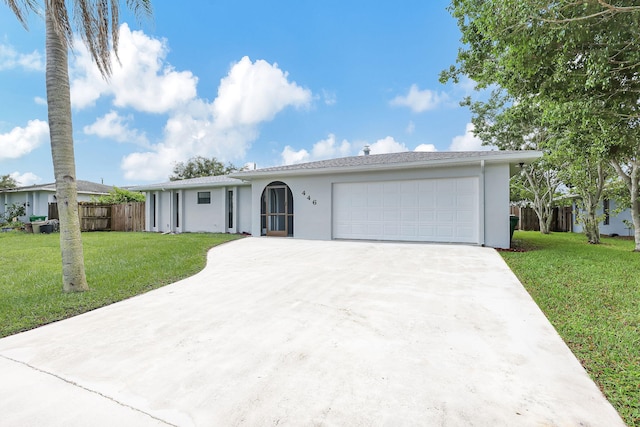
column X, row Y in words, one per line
column 448, row 197
column 612, row 223
column 36, row 198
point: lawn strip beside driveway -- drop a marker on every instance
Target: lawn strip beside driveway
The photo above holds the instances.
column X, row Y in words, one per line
column 282, row 331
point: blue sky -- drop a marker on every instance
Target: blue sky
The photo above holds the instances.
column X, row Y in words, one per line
column 266, row 82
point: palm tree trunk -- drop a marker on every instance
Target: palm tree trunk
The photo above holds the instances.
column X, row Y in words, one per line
column 61, row 133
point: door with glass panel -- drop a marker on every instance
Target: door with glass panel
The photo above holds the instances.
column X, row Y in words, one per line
column 277, row 210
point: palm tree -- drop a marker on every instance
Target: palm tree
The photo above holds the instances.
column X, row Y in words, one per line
column 97, row 22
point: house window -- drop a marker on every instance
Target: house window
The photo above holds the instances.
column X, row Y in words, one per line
column 204, row 197
column 154, row 209
column 177, row 207
column 230, row 208
column 605, row 210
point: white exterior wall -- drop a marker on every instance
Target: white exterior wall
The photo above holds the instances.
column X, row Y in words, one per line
column 243, row 209
column 616, row 224
column 496, row 203
column 205, row 217
column 198, row 218
column 37, row 202
column 314, row 221
column 165, row 223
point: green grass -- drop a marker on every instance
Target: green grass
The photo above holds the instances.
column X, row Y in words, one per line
column 118, row 266
column 591, row 295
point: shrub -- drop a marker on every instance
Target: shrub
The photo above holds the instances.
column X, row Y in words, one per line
column 118, row 196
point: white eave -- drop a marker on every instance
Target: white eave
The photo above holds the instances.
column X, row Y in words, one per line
column 513, row 158
column 195, row 183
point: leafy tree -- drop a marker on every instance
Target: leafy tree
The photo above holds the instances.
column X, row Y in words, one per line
column 118, row 196
column 6, row 181
column 97, row 23
column 586, row 53
column 200, row 166
column 12, row 212
column 580, row 150
column 518, row 125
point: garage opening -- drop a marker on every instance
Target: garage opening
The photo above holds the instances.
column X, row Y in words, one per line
column 423, row 210
column 276, row 211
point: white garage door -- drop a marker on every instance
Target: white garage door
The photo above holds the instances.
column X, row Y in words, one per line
column 431, row 210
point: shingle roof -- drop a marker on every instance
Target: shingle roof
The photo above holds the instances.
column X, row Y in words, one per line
column 83, row 187
column 205, row 181
column 404, row 159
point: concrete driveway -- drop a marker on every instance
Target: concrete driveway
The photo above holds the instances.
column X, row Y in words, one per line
column 305, row 333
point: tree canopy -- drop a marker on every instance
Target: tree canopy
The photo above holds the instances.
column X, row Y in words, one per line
column 119, row 195
column 6, row 181
column 200, row 166
column 577, row 61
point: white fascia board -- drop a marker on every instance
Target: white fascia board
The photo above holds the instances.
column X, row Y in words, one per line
column 526, row 157
column 163, row 187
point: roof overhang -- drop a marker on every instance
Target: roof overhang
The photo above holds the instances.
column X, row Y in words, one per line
column 178, row 185
column 513, row 159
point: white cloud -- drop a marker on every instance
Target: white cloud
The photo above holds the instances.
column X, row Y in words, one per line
column 291, row 156
column 468, row 141
column 141, row 79
column 255, row 92
column 10, row 58
column 20, row 141
column 426, row 147
column 114, row 126
column 327, row 148
column 321, row 150
column 420, row 100
column 25, row 179
column 40, row 100
column 252, row 93
column 387, row 145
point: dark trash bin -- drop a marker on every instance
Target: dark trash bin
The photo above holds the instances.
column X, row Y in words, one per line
column 513, row 219
column 46, row 228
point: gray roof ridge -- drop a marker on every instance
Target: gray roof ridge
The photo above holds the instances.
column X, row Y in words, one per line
column 405, row 157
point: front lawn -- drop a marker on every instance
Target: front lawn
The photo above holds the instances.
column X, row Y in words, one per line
column 118, row 266
column 591, row 295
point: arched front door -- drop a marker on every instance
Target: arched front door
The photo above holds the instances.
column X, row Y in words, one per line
column 276, row 212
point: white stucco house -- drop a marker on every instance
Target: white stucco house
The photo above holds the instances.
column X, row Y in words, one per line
column 36, row 198
column 613, row 223
column 447, row 197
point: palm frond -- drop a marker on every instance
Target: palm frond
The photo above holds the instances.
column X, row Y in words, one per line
column 97, row 21
column 21, row 9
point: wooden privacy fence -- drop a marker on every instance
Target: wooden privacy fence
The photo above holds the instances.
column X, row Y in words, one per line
column 562, row 219
column 127, row 217
column 99, row 217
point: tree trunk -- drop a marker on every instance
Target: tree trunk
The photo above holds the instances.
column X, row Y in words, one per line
column 591, row 229
column 543, row 220
column 542, row 187
column 635, row 204
column 61, row 134
column 589, row 219
column 632, row 180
